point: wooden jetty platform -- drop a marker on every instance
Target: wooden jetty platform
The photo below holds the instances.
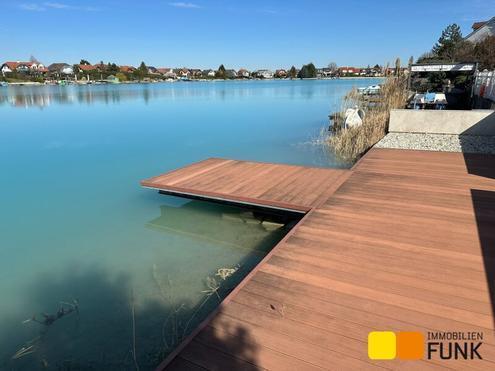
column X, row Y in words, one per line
column 404, row 241
column 295, row 188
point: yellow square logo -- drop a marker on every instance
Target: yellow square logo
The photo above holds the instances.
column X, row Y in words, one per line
column 382, row 345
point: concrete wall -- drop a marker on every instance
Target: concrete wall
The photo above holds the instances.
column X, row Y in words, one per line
column 474, row 122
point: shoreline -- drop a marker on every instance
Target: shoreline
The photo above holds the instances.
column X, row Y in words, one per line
column 73, row 83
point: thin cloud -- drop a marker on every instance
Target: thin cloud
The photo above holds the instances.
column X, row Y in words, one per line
column 57, row 5
column 70, row 7
column 185, row 5
column 32, row 7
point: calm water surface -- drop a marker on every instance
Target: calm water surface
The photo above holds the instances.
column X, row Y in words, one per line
column 112, row 270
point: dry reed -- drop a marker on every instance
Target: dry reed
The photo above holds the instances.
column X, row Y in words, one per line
column 349, row 144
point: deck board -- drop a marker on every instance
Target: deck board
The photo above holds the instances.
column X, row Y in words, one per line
column 403, row 242
column 276, row 185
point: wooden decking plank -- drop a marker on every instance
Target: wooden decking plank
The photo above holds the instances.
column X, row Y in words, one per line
column 460, row 315
column 290, row 346
column 194, row 170
column 381, row 281
column 277, row 185
column 327, row 320
column 362, row 266
column 288, row 338
column 181, row 364
column 233, row 342
column 213, row 359
column 396, row 235
column 399, row 263
column 361, row 310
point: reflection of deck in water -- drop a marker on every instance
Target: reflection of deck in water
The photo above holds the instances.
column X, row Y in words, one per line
column 406, row 243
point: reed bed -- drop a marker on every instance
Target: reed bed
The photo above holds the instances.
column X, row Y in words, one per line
column 349, row 144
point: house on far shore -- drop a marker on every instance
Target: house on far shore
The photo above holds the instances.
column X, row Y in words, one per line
column 243, row 73
column 325, row 72
column 209, row 73
column 127, row 69
column 481, row 30
column 22, row 67
column 153, row 70
column 86, row 67
column 281, row 74
column 112, row 79
column 61, row 69
column 264, row 74
column 183, row 73
column 230, row 74
column 196, row 73
column 349, row 71
column 167, row 72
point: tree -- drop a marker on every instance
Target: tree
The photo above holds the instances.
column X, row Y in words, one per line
column 485, row 53
column 332, row 66
column 220, row 74
column 448, row 43
column 140, row 72
column 307, row 71
column 143, row 69
column 121, row 76
column 293, row 72
column 84, row 62
column 397, row 67
column 113, row 68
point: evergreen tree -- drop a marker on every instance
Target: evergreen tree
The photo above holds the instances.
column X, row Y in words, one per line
column 293, row 72
column 448, row 43
column 220, row 74
column 143, row 69
column 307, row 71
column 84, row 62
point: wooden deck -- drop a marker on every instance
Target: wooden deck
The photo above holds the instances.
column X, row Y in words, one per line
column 406, row 243
column 290, row 187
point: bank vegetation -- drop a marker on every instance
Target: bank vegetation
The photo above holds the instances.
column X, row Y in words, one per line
column 351, row 143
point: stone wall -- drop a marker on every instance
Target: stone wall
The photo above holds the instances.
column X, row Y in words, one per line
column 472, row 122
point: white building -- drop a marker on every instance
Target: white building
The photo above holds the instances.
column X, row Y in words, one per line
column 264, row 74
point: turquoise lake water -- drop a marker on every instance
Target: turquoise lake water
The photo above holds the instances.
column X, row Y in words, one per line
column 130, row 271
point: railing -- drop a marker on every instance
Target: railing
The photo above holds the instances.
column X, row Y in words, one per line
column 484, row 85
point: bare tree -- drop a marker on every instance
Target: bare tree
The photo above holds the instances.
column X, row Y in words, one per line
column 332, row 66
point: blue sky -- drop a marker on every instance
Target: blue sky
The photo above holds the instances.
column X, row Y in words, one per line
column 251, row 34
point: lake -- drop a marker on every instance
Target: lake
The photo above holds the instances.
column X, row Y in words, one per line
column 96, row 272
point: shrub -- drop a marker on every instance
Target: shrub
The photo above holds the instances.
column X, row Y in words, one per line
column 350, row 144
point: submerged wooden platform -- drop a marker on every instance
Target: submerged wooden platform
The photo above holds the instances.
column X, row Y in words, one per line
column 297, row 188
column 406, row 243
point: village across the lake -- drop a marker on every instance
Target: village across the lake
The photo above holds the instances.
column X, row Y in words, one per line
column 36, row 72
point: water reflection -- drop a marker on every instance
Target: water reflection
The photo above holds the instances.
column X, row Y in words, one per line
column 45, row 95
column 223, row 225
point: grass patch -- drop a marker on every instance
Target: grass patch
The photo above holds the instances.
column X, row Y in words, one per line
column 350, row 144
